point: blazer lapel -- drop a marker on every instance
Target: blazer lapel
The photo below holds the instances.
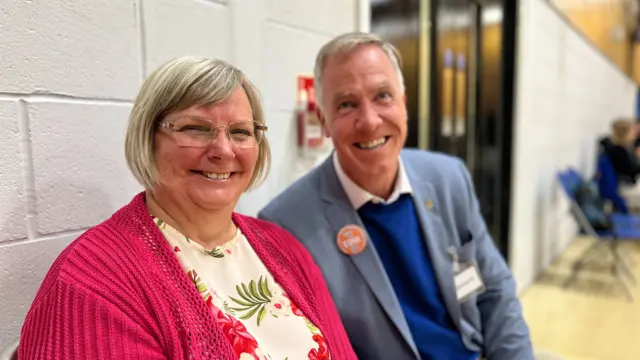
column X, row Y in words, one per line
column 339, row 213
column 435, row 235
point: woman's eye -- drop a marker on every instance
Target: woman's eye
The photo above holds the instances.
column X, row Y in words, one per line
column 241, row 132
column 192, row 128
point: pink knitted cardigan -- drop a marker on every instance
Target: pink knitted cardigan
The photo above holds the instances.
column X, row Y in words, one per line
column 118, row 292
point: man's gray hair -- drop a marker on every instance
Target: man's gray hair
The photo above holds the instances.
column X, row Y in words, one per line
column 345, row 43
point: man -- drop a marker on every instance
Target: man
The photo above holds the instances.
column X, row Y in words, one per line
column 397, row 233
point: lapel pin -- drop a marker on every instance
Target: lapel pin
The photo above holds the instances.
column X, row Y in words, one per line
column 429, row 204
column 351, row 240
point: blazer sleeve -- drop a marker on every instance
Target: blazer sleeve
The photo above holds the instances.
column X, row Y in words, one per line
column 506, row 334
column 68, row 322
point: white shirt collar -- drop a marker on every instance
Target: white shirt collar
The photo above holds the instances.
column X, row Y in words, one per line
column 358, row 196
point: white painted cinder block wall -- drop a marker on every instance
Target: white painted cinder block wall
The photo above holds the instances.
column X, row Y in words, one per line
column 567, row 96
column 69, row 71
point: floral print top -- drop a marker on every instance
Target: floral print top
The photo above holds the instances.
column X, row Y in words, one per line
column 256, row 315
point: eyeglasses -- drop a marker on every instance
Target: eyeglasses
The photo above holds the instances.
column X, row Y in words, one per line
column 199, row 133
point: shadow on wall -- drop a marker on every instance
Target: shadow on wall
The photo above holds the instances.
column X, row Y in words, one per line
column 560, row 213
column 589, row 156
column 23, row 266
column 539, row 233
column 12, row 213
column 549, row 214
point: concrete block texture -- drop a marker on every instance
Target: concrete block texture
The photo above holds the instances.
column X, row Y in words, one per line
column 330, row 17
column 85, row 48
column 12, row 202
column 22, row 268
column 247, row 37
column 81, row 176
column 279, row 72
column 176, row 28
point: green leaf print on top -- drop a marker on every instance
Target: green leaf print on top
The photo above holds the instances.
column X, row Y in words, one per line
column 161, row 224
column 217, row 252
column 253, row 299
column 312, row 328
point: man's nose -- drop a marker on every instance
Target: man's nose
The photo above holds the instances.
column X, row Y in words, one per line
column 368, row 118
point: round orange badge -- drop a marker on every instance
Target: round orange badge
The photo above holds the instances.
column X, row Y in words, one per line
column 351, row 240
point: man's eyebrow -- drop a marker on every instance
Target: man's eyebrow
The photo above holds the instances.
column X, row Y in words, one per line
column 342, row 95
column 382, row 85
column 385, row 84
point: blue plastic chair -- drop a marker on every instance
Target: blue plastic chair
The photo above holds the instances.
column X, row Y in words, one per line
column 622, row 226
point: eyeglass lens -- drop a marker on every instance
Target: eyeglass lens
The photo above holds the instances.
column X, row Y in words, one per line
column 199, row 132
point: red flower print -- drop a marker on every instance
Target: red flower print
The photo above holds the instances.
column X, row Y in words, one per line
column 237, row 334
column 176, row 249
column 294, row 308
column 209, row 301
column 321, row 353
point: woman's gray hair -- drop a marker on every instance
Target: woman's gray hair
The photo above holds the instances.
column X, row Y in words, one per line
column 178, row 85
column 346, row 43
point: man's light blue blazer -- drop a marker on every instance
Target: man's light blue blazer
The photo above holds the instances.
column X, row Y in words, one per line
column 316, row 207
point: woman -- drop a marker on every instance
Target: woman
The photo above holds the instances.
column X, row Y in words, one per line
column 621, row 154
column 620, row 151
column 176, row 273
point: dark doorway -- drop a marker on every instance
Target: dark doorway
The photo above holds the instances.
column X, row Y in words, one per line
column 465, row 80
column 398, row 21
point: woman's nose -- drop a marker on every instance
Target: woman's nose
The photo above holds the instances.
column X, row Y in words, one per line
column 221, row 146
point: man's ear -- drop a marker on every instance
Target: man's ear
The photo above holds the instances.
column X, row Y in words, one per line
column 323, row 122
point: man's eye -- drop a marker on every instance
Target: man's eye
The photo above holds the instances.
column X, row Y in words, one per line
column 384, row 96
column 345, row 105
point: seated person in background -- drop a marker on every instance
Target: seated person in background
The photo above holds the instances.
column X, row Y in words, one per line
column 176, row 273
column 636, row 141
column 624, row 161
column 620, row 150
column 605, row 144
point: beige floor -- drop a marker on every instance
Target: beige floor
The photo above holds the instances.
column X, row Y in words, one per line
column 591, row 319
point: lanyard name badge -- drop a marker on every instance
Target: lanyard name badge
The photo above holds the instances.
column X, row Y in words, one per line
column 466, row 277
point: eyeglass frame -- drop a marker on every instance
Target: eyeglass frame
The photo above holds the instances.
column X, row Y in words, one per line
column 168, row 124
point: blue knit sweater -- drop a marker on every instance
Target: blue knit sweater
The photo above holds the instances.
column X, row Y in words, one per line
column 399, row 240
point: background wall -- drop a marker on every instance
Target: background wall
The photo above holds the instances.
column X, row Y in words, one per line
column 607, row 24
column 567, row 96
column 70, row 71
